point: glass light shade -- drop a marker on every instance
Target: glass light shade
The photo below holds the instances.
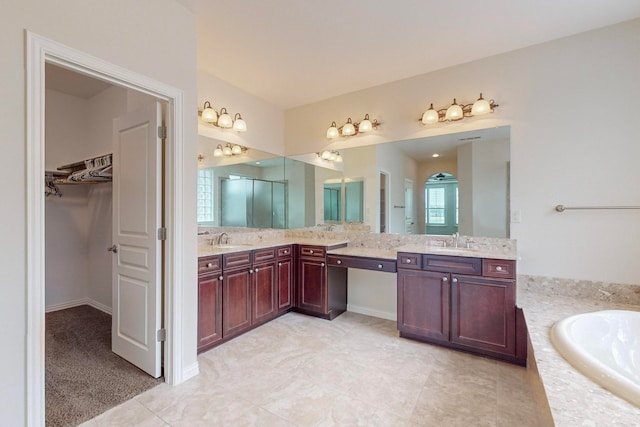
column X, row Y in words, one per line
column 365, row 125
column 236, row 149
column 325, row 155
column 227, row 150
column 332, row 132
column 481, row 106
column 224, row 120
column 209, row 115
column 430, row 116
column 239, row 125
column 218, row 151
column 338, row 158
column 348, row 128
column 454, row 112
column 332, row 156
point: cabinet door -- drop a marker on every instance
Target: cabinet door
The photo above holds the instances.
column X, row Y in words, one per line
column 285, row 278
column 423, row 304
column 313, row 285
column 236, row 302
column 483, row 313
column 264, row 293
column 209, row 311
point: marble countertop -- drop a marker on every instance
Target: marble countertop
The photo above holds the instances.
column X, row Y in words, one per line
column 467, row 252
column 573, row 398
column 390, row 254
column 208, row 250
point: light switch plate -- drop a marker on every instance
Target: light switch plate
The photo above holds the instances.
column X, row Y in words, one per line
column 516, row 216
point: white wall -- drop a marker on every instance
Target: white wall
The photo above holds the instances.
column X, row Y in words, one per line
column 122, row 33
column 571, row 105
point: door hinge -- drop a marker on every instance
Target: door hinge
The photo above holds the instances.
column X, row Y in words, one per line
column 162, row 132
column 161, row 335
column 162, row 233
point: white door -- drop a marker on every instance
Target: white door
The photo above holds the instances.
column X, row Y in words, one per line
column 137, row 261
column 409, row 221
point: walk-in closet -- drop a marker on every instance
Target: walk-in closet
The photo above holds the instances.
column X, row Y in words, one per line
column 83, row 376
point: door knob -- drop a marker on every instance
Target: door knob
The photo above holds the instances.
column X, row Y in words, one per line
column 113, row 249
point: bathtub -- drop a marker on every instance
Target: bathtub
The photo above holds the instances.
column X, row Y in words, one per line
column 604, row 346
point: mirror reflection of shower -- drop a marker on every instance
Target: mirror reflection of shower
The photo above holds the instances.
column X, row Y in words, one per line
column 255, row 203
column 441, row 207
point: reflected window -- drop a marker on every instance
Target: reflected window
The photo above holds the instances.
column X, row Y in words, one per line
column 441, row 207
column 205, row 196
column 435, row 206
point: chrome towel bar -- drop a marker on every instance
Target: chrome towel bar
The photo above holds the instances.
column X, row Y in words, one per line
column 562, row 208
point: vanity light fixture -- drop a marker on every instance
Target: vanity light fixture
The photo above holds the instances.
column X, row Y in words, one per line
column 457, row 111
column 330, row 156
column 350, row 128
column 222, row 119
column 229, row 150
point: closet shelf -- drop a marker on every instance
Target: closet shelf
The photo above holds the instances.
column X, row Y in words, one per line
column 95, row 170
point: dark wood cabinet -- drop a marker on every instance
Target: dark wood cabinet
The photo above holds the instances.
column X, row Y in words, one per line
column 263, row 284
column 461, row 302
column 284, row 279
column 423, row 304
column 236, row 301
column 209, row 302
column 321, row 290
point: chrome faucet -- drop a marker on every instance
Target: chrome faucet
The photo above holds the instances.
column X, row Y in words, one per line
column 454, row 238
column 226, row 238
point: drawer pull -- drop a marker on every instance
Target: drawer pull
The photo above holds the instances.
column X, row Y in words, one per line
column 210, row 265
column 286, row 251
column 339, row 262
column 408, row 261
column 380, row 266
column 311, row 251
column 499, row 268
column 220, row 277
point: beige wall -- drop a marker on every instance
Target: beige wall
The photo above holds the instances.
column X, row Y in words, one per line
column 571, row 105
column 155, row 38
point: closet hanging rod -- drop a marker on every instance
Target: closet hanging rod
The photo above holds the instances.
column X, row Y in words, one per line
column 562, row 208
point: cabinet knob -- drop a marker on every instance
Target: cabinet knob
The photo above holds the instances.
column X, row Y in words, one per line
column 445, row 279
column 255, row 270
column 322, row 264
column 286, row 251
column 454, row 280
column 210, row 265
column 220, row 277
column 499, row 268
column 380, row 266
column 339, row 262
column 251, row 271
column 408, row 261
column 311, row 251
column 279, row 264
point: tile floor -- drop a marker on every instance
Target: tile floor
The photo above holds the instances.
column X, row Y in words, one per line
column 354, row 371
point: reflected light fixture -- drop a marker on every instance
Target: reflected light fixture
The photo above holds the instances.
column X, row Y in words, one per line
column 350, row 128
column 330, row 156
column 229, row 150
column 222, row 119
column 457, row 111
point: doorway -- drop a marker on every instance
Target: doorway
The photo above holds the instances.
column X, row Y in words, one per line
column 41, row 51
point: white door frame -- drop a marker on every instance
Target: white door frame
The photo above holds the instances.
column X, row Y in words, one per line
column 39, row 51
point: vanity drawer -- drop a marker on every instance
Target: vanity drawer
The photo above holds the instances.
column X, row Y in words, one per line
column 409, row 261
column 365, row 263
column 312, row 251
column 502, row 268
column 236, row 259
column 452, row 264
column 208, row 264
column 284, row 251
column 261, row 255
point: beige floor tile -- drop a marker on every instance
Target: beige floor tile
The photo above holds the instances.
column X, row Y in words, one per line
column 130, row 413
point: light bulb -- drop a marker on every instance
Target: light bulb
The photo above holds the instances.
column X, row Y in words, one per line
column 430, row 116
column 209, row 115
column 332, row 156
column 325, row 155
column 348, row 128
column 332, row 132
column 481, row 106
column 338, row 157
column 226, row 150
column 218, row 151
column 365, row 125
column 224, row 120
column 236, row 149
column 454, row 112
column 239, row 125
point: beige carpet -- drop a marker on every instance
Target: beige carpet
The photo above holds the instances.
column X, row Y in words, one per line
column 84, row 377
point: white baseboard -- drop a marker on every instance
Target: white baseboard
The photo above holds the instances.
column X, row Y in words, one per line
column 372, row 312
column 76, row 303
column 190, row 371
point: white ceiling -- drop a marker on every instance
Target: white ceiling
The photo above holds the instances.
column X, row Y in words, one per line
column 72, row 83
column 292, row 52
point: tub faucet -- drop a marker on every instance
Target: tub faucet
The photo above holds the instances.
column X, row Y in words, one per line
column 226, row 238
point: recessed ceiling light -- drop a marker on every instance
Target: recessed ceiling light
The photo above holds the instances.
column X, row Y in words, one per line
column 435, row 155
column 257, row 163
